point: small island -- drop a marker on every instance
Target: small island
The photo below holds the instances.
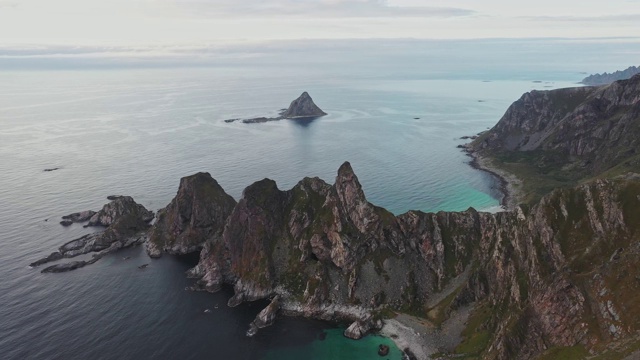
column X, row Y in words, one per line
column 301, row 108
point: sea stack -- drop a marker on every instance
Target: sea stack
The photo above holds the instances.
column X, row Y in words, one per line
column 303, row 107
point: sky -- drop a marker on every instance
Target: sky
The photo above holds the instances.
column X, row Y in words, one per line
column 192, row 22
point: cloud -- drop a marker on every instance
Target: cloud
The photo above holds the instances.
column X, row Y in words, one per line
column 313, row 8
column 607, row 18
column 8, row 3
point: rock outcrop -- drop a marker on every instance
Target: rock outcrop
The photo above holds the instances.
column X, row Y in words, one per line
column 541, row 277
column 194, row 217
column 301, row 108
column 78, row 217
column 126, row 224
column 266, row 317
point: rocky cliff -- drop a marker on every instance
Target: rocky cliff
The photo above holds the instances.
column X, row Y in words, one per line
column 562, row 137
column 558, row 274
column 194, row 217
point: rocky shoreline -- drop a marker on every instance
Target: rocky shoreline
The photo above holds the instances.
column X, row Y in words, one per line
column 509, row 184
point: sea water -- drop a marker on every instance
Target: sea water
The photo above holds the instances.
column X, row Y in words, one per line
column 137, row 130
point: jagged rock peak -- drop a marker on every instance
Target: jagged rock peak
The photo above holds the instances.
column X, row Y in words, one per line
column 197, row 214
column 348, row 186
column 303, row 107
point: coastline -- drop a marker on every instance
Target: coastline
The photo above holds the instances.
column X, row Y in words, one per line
column 509, row 186
column 418, row 338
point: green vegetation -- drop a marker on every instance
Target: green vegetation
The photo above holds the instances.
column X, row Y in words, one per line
column 565, row 353
column 619, row 351
column 438, row 314
column 540, row 171
column 476, row 334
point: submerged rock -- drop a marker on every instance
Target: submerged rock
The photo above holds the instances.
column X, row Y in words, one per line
column 383, row 350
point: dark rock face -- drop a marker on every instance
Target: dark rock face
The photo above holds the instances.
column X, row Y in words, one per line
column 126, row 224
column 302, row 107
column 329, row 254
column 195, row 216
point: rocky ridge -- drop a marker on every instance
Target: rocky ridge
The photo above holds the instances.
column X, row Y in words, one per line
column 606, row 78
column 559, row 274
column 539, row 277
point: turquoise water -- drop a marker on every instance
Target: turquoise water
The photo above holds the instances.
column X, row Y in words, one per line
column 336, row 347
column 396, row 116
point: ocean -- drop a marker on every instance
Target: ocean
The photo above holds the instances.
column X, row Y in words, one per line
column 397, row 111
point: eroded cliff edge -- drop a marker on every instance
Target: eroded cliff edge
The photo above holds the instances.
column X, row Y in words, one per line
column 565, row 137
column 561, row 273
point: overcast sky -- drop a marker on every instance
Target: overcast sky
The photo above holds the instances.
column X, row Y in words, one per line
column 140, row 22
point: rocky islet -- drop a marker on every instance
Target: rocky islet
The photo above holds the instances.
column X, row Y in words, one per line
column 301, row 108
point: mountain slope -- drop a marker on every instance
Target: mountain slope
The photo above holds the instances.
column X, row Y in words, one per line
column 565, row 136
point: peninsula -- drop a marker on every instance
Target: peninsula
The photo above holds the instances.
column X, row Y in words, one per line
column 301, row 108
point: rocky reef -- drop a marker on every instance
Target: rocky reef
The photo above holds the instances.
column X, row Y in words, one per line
column 126, row 223
column 301, row 108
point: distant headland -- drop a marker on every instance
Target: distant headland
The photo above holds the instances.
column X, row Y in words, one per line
column 301, row 108
column 606, row 78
